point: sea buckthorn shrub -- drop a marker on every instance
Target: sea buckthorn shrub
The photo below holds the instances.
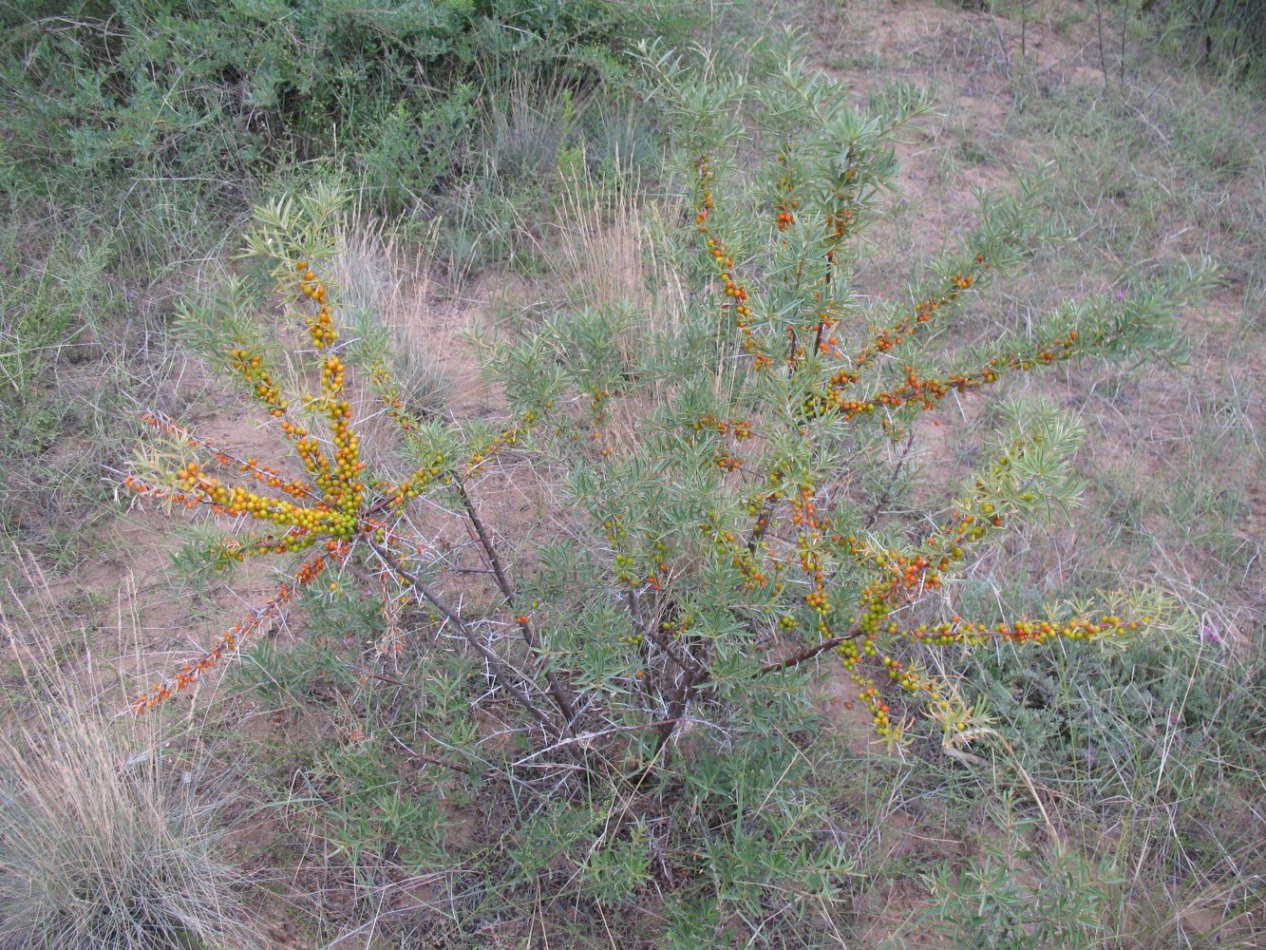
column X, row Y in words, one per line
column 715, row 470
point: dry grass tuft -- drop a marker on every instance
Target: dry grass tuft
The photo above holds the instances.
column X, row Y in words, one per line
column 387, row 288
column 101, row 845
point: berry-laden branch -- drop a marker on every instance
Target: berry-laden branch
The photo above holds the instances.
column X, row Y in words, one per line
column 232, row 640
column 329, row 504
column 755, row 512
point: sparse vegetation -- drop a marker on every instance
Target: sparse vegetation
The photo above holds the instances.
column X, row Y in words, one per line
column 594, row 648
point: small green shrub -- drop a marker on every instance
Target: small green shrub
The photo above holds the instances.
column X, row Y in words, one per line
column 1058, row 901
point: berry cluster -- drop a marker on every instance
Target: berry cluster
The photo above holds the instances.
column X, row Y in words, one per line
column 735, row 294
column 320, row 325
column 750, row 560
column 785, row 212
column 634, row 572
column 740, row 429
column 508, row 436
column 841, row 212
column 736, row 429
column 328, row 504
column 898, row 581
column 251, row 367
